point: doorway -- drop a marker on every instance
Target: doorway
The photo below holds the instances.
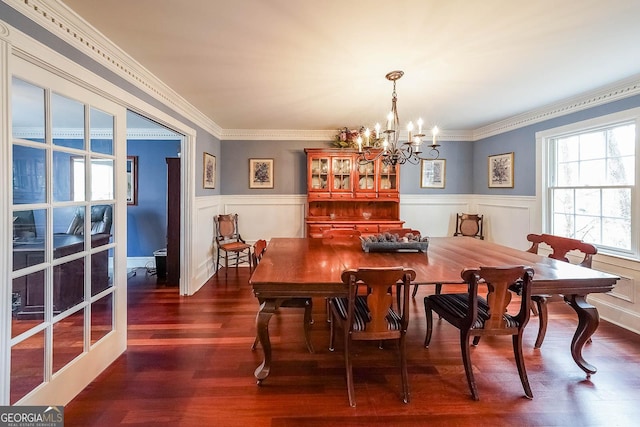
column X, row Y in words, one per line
column 151, row 147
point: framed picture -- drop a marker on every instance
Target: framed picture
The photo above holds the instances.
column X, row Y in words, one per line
column 132, row 180
column 209, row 171
column 501, row 171
column 432, row 173
column 260, row 173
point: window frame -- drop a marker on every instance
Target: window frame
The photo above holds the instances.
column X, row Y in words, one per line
column 545, row 161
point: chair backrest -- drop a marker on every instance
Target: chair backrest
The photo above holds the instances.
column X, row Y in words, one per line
column 227, row 228
column 469, row 225
column 561, row 246
column 259, row 248
column 24, row 224
column 499, row 281
column 340, row 232
column 101, row 220
column 380, row 283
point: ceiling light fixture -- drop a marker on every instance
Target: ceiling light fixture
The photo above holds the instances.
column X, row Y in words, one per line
column 392, row 152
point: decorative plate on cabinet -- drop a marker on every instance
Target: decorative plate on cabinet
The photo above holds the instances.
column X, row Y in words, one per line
column 366, row 183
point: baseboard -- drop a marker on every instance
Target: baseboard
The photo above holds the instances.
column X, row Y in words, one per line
column 137, row 262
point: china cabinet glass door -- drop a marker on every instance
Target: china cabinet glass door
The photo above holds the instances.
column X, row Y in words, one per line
column 341, row 174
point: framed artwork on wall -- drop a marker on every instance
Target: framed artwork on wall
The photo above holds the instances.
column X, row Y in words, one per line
column 432, row 173
column 132, row 180
column 209, row 171
column 501, row 170
column 260, row 173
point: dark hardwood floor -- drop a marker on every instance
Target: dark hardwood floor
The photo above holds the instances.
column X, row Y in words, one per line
column 189, row 363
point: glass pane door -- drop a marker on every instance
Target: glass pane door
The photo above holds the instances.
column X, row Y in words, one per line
column 63, row 205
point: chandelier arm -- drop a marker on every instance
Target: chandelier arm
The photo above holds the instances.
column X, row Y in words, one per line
column 392, row 153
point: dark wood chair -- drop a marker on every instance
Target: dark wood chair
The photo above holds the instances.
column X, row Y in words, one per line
column 560, row 247
column 340, row 232
column 469, row 225
column 476, row 316
column 370, row 315
column 230, row 242
column 259, row 248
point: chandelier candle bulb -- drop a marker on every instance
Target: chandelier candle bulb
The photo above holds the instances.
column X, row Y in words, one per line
column 393, row 151
column 360, row 144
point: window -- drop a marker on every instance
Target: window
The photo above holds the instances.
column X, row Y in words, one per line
column 591, row 181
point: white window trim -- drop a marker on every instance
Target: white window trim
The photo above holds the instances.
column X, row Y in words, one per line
column 543, row 139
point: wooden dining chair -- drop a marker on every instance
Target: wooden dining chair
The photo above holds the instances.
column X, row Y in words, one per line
column 229, row 242
column 560, row 247
column 469, row 225
column 476, row 316
column 259, row 248
column 370, row 315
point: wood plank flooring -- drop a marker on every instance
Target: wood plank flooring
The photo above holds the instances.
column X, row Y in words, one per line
column 189, row 363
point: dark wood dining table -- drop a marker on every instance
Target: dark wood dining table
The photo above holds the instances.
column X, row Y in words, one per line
column 311, row 267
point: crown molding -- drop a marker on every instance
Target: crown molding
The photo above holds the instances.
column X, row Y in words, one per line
column 34, row 133
column 604, row 95
column 316, row 135
column 276, row 135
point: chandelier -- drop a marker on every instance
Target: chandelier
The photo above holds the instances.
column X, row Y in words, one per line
column 392, row 151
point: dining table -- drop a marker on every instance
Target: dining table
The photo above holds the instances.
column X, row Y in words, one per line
column 312, row 267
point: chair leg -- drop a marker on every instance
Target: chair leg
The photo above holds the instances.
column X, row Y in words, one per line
column 307, row 324
column 332, row 327
column 466, row 361
column 517, row 350
column 406, row 398
column 415, row 291
column 349, row 368
column 226, row 264
column 543, row 318
column 534, row 309
column 429, row 316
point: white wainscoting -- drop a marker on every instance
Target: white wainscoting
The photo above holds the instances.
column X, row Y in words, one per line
column 507, row 221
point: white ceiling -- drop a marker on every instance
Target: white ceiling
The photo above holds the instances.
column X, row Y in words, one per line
column 320, row 64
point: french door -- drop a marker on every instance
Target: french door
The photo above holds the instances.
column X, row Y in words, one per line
column 67, row 203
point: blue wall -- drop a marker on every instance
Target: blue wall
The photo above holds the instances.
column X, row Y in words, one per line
column 147, row 221
column 290, row 167
column 522, row 142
